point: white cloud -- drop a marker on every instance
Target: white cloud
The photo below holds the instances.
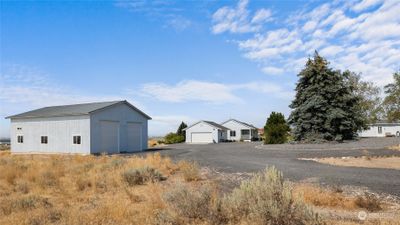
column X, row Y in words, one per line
column 160, row 125
column 25, row 88
column 167, row 12
column 272, row 70
column 365, row 41
column 365, row 4
column 178, row 23
column 310, row 25
column 262, row 15
column 270, row 89
column 207, row 92
column 190, row 91
column 331, row 50
column 238, row 19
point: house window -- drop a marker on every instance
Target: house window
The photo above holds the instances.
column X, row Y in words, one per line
column 379, row 130
column 245, row 132
column 20, row 139
column 77, row 140
column 43, row 139
column 233, row 133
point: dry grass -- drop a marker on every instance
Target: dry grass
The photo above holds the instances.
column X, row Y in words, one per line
column 4, row 147
column 387, row 221
column 152, row 143
column 40, row 189
column 190, row 171
column 321, row 197
column 395, row 147
column 334, row 198
column 365, row 161
column 155, row 142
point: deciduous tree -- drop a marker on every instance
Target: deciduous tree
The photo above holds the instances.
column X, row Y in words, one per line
column 391, row 103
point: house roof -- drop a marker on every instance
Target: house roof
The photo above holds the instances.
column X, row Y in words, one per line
column 385, row 122
column 243, row 123
column 72, row 110
column 211, row 123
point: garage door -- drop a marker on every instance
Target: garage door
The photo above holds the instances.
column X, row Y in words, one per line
column 109, row 133
column 134, row 133
column 202, row 137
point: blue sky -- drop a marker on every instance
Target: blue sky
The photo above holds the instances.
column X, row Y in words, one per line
column 186, row 60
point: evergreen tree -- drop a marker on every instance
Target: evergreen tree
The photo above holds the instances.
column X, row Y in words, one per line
column 180, row 130
column 276, row 129
column 325, row 107
column 391, row 103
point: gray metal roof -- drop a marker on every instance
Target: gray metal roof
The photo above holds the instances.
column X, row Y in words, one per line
column 211, row 123
column 71, row 110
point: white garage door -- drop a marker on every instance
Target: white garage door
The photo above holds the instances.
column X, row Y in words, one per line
column 109, row 133
column 134, row 132
column 202, row 137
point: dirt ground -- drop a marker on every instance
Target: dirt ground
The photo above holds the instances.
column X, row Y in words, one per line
column 365, row 161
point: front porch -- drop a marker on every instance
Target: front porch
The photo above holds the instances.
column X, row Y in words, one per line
column 248, row 134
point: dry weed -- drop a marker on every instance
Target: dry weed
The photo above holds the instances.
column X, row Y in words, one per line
column 190, row 171
column 321, row 197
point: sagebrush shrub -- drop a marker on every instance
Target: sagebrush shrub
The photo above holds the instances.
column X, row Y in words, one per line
column 48, row 179
column 188, row 202
column 368, row 202
column 267, row 199
column 264, row 199
column 190, row 171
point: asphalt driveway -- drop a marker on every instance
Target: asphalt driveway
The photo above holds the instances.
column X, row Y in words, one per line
column 250, row 157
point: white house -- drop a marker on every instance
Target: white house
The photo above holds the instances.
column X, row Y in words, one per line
column 109, row 127
column 240, row 131
column 381, row 129
column 206, row 132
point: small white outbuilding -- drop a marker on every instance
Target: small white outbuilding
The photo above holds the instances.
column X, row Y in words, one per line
column 101, row 127
column 381, row 129
column 204, row 132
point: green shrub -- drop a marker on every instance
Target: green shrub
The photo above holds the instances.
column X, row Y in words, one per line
column 173, row 138
column 142, row 175
column 276, row 129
